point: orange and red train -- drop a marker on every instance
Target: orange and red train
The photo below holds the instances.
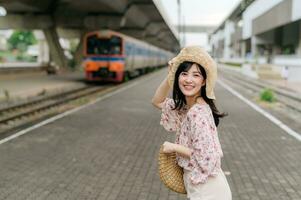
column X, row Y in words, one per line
column 115, row 57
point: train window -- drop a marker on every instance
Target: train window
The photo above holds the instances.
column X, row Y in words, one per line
column 97, row 45
column 115, row 45
column 103, row 46
column 91, row 44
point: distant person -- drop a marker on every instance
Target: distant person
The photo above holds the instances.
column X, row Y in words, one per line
column 193, row 116
column 284, row 74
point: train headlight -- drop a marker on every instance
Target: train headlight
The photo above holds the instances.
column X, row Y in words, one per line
column 90, row 66
column 116, row 66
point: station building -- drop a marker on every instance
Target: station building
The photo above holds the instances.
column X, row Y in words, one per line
column 265, row 33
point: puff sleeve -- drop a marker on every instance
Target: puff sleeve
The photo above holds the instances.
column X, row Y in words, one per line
column 169, row 117
column 206, row 152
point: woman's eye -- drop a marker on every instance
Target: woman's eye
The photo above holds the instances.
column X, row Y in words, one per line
column 196, row 75
column 183, row 73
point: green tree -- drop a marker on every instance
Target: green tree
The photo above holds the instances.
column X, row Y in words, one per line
column 21, row 40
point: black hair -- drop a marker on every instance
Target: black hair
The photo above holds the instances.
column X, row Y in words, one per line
column 179, row 97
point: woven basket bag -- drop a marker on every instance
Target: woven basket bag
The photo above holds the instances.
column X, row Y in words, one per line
column 171, row 174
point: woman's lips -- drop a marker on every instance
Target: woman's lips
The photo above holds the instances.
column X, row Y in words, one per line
column 188, row 87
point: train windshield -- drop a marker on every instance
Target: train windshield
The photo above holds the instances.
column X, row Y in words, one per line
column 103, row 46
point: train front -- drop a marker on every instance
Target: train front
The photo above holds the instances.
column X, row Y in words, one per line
column 103, row 57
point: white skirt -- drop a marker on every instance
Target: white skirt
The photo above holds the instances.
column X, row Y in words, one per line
column 216, row 188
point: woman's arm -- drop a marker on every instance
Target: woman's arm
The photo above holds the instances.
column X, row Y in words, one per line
column 161, row 94
column 162, row 91
column 169, row 147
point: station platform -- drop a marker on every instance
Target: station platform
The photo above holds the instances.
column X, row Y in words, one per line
column 291, row 86
column 18, row 87
column 108, row 151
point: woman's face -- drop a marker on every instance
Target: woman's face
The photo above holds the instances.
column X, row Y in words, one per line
column 190, row 82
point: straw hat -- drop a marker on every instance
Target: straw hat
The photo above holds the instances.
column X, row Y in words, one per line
column 200, row 56
column 171, row 174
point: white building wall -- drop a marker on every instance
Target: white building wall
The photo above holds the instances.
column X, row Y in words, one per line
column 4, row 35
column 296, row 12
column 2, row 43
column 44, row 55
column 256, row 9
column 217, row 36
column 214, row 41
column 229, row 29
column 221, row 34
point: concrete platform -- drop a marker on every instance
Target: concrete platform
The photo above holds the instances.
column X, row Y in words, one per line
column 108, row 150
column 294, row 86
column 17, row 87
column 290, row 86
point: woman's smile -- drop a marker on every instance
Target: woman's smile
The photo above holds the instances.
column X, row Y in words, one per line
column 188, row 87
column 191, row 81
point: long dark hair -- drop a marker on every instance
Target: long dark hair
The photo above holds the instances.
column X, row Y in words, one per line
column 179, row 97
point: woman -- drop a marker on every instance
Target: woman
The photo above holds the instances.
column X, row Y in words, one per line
column 192, row 114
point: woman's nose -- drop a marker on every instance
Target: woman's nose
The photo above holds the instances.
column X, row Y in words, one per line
column 188, row 79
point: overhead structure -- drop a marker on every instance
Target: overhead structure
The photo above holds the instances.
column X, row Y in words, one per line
column 138, row 18
column 196, row 29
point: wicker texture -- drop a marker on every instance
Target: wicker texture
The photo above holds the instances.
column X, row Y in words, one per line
column 171, row 174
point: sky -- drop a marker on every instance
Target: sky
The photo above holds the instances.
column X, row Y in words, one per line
column 199, row 12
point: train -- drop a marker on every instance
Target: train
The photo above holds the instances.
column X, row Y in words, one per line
column 115, row 57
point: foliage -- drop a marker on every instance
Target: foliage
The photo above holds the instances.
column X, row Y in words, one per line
column 21, row 40
column 72, row 63
column 267, row 95
column 233, row 64
column 73, row 46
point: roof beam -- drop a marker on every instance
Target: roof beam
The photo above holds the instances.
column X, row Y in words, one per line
column 28, row 21
column 195, row 29
column 103, row 21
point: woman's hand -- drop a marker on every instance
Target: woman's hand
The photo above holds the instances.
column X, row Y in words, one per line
column 168, row 147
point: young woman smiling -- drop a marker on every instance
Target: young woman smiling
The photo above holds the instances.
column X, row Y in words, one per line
column 193, row 116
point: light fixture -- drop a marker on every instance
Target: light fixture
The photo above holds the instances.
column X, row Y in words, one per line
column 2, row 11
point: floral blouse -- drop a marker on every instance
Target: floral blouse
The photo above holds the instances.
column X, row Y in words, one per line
column 195, row 129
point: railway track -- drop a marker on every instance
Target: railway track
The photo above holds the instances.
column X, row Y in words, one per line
column 287, row 98
column 17, row 116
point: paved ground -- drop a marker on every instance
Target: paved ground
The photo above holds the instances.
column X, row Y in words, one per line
column 109, row 151
column 289, row 86
column 22, row 87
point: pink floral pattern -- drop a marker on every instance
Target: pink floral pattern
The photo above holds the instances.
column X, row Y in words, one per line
column 196, row 130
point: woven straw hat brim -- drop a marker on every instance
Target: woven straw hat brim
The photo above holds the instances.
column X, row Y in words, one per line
column 171, row 174
column 200, row 56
